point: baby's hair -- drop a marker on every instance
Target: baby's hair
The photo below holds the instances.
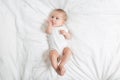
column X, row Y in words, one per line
column 62, row 11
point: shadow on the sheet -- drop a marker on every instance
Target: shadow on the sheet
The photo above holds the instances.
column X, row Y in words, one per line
column 45, row 58
column 43, row 26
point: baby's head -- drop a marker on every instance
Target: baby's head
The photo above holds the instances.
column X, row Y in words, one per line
column 58, row 17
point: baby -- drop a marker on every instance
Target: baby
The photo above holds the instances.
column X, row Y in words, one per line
column 57, row 38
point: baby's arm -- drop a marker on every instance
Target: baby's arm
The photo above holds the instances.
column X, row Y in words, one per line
column 49, row 27
column 67, row 35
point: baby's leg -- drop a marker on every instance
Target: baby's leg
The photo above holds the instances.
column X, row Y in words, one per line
column 66, row 55
column 53, row 58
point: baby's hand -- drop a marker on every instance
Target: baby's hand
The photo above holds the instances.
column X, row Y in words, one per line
column 62, row 32
column 49, row 22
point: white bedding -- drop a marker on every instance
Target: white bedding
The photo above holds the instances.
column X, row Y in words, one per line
column 94, row 24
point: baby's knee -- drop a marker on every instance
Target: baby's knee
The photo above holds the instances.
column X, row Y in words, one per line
column 67, row 51
column 53, row 53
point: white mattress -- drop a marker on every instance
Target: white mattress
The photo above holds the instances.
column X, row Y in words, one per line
column 94, row 24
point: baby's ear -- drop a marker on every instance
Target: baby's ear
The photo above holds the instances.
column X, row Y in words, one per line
column 64, row 22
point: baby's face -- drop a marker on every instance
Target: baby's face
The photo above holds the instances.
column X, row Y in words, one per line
column 57, row 19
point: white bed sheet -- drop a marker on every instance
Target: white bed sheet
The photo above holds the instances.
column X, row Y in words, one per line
column 95, row 25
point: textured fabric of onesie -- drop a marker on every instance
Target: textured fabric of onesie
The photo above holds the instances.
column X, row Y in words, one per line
column 56, row 40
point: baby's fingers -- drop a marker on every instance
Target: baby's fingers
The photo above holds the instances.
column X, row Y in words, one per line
column 62, row 31
column 49, row 22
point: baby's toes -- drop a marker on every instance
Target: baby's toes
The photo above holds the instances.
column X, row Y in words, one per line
column 58, row 71
column 62, row 70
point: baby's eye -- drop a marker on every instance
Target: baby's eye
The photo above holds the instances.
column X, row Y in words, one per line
column 57, row 18
column 52, row 17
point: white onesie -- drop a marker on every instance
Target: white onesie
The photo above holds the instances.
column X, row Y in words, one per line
column 56, row 40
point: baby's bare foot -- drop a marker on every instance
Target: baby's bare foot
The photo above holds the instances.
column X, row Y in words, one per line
column 58, row 71
column 62, row 70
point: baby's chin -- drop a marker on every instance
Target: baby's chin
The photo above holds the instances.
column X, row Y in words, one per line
column 57, row 25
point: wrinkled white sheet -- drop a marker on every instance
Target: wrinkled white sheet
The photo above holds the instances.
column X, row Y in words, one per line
column 95, row 25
